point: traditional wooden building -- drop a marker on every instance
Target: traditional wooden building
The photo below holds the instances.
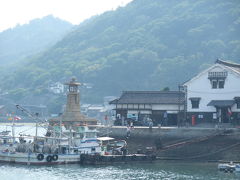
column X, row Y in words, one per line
column 214, row 94
column 138, row 106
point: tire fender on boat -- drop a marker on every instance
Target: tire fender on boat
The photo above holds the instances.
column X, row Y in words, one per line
column 55, row 157
column 49, row 158
column 40, row 157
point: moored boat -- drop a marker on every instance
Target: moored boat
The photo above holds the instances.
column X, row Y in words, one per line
column 54, row 148
column 98, row 159
column 229, row 167
column 38, row 158
column 114, row 151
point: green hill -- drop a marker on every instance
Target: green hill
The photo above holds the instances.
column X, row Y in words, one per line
column 24, row 40
column 147, row 45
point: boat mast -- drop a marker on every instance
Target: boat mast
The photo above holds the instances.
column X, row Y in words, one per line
column 60, row 126
column 13, row 129
column 71, row 136
column 36, row 133
column 60, row 134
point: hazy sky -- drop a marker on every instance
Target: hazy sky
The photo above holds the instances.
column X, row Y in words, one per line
column 13, row 12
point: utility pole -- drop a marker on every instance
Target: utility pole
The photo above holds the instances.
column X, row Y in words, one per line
column 182, row 115
column 179, row 105
column 185, row 104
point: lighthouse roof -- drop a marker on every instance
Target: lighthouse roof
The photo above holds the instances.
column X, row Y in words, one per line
column 73, row 82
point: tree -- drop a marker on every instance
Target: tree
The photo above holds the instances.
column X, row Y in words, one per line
column 166, row 89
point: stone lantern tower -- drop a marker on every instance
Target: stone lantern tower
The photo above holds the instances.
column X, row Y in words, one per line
column 73, row 98
column 72, row 116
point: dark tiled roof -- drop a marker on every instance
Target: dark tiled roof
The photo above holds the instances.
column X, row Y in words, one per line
column 149, row 97
column 113, row 101
column 233, row 66
column 221, row 103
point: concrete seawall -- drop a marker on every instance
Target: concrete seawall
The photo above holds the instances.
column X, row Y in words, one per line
column 182, row 143
column 169, row 132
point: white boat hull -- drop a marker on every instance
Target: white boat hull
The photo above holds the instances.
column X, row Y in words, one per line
column 31, row 158
column 227, row 167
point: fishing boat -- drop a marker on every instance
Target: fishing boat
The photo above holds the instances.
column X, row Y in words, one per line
column 69, row 147
column 114, row 151
column 229, row 167
column 58, row 146
column 48, row 150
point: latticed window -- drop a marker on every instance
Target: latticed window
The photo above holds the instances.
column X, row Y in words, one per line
column 217, row 79
column 217, row 74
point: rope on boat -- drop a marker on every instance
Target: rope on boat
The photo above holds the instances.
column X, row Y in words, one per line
column 35, row 118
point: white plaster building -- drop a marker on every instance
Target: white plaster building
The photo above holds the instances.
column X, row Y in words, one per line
column 57, row 88
column 214, row 94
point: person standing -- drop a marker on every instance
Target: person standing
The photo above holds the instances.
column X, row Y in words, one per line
column 131, row 124
column 150, row 124
column 123, row 121
column 128, row 131
column 165, row 118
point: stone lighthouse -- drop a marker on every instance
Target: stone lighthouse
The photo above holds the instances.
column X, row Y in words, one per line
column 72, row 116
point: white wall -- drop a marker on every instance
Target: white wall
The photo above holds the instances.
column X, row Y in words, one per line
column 201, row 87
column 163, row 107
column 168, row 107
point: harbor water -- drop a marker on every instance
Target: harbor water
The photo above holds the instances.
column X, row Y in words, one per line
column 145, row 171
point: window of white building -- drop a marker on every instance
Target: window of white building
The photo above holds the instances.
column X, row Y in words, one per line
column 195, row 102
column 217, row 79
column 238, row 104
column 221, row 84
column 217, row 84
column 237, row 100
column 214, row 84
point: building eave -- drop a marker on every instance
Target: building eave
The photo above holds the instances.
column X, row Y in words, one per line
column 221, row 65
column 200, row 74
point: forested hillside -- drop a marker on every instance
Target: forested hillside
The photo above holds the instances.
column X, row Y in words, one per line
column 24, row 40
column 147, row 45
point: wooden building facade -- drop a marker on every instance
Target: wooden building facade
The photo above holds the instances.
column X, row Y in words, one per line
column 162, row 107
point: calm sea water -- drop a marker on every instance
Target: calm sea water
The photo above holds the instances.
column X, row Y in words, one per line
column 149, row 171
